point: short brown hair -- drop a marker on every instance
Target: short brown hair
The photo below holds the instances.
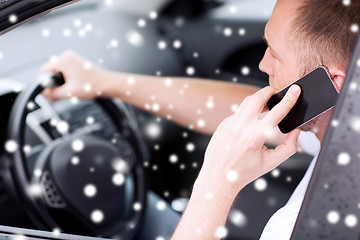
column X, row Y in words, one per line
column 326, row 29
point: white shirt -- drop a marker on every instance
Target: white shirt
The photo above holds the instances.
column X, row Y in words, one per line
column 281, row 224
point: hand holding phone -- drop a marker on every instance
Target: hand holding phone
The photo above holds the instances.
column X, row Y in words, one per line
column 318, row 94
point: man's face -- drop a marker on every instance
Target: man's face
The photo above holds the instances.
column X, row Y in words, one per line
column 280, row 60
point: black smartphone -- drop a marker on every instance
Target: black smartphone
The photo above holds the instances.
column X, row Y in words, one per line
column 318, row 94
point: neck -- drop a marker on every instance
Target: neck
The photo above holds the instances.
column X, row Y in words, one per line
column 320, row 133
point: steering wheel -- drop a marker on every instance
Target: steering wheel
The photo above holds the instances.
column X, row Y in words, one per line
column 80, row 179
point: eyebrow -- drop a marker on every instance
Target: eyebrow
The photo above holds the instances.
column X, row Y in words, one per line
column 272, row 50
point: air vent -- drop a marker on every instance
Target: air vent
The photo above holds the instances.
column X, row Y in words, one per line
column 52, row 195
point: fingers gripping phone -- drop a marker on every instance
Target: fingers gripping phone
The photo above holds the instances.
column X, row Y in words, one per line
column 318, row 94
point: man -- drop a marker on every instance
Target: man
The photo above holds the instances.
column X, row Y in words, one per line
column 301, row 35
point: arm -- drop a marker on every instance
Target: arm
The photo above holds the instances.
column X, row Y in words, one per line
column 197, row 104
column 192, row 103
column 236, row 155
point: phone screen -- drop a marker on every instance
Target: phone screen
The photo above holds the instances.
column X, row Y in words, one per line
column 318, row 94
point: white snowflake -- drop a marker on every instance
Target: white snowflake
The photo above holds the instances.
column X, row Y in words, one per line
column 234, row 107
column 34, row 190
column 358, row 62
column 355, row 123
column 11, row 146
column 141, row 23
column 353, row 86
column 90, row 120
column 56, row 231
column 201, row 123
column 131, row 80
column 227, row 32
column 97, row 216
column 109, row 2
column 13, row 18
column 245, row 70
column 351, row 220
column 1, row 56
column 153, row 15
column 354, row 28
column 177, row 44
column 87, row 65
column 17, row 88
column 45, row 32
column 137, row 206
column 62, row 127
column 67, row 32
column 221, row 232
column 19, row 237
column 190, row 70
column 237, row 218
column 37, row 172
column 335, row 123
column 82, row 33
column 209, row 196
column 275, row 173
column 260, row 184
column 88, row 27
column 343, row 158
column 118, row 179
column 168, row 82
column 232, row 176
column 90, row 190
column 27, row 148
column 155, row 107
column 333, row 217
column 78, row 145
column 120, row 165
column 153, row 130
column 242, row 31
column 162, row 45
column 161, row 205
column 75, row 160
column 210, row 104
column 30, row 106
column 173, row 158
column 159, row 238
column 77, row 22
column 190, row 147
column 346, row 2
column 232, row 9
column 134, row 38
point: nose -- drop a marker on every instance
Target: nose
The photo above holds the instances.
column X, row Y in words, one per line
column 265, row 63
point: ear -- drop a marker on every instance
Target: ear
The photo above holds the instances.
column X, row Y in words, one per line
column 338, row 77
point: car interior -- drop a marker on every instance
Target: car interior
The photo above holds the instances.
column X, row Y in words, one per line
column 42, row 186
